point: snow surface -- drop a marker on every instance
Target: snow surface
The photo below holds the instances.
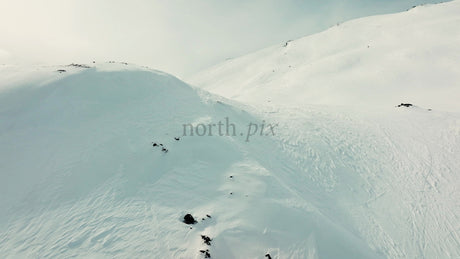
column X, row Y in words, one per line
column 347, row 174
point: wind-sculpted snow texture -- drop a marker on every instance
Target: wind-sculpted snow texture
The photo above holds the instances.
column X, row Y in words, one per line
column 81, row 178
column 346, row 174
column 369, row 112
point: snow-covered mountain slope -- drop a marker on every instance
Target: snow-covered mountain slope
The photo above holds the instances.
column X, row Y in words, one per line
column 392, row 173
column 379, row 61
column 80, row 176
column 343, row 174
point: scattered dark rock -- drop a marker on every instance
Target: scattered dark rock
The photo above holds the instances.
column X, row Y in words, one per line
column 79, row 65
column 177, row 138
column 188, row 219
column 231, row 176
column 165, row 150
column 207, row 240
column 61, row 70
column 268, row 256
column 206, row 253
column 231, row 193
column 203, row 219
column 405, row 105
column 208, row 216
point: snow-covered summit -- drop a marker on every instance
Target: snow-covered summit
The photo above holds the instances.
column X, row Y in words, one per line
column 94, row 163
column 374, row 61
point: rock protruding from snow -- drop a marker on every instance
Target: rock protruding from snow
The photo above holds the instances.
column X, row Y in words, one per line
column 189, row 219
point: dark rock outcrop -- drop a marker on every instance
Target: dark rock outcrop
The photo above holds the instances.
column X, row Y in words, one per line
column 188, row 219
column 405, row 105
column 207, row 240
column 206, row 253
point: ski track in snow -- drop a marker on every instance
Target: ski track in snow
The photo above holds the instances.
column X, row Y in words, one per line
column 403, row 164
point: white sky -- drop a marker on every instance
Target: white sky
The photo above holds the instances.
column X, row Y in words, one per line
column 180, row 37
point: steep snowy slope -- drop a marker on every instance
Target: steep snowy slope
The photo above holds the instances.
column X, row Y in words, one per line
column 80, row 177
column 379, row 61
column 392, row 173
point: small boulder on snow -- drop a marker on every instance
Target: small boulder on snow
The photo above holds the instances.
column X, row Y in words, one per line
column 188, row 219
column 206, row 253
